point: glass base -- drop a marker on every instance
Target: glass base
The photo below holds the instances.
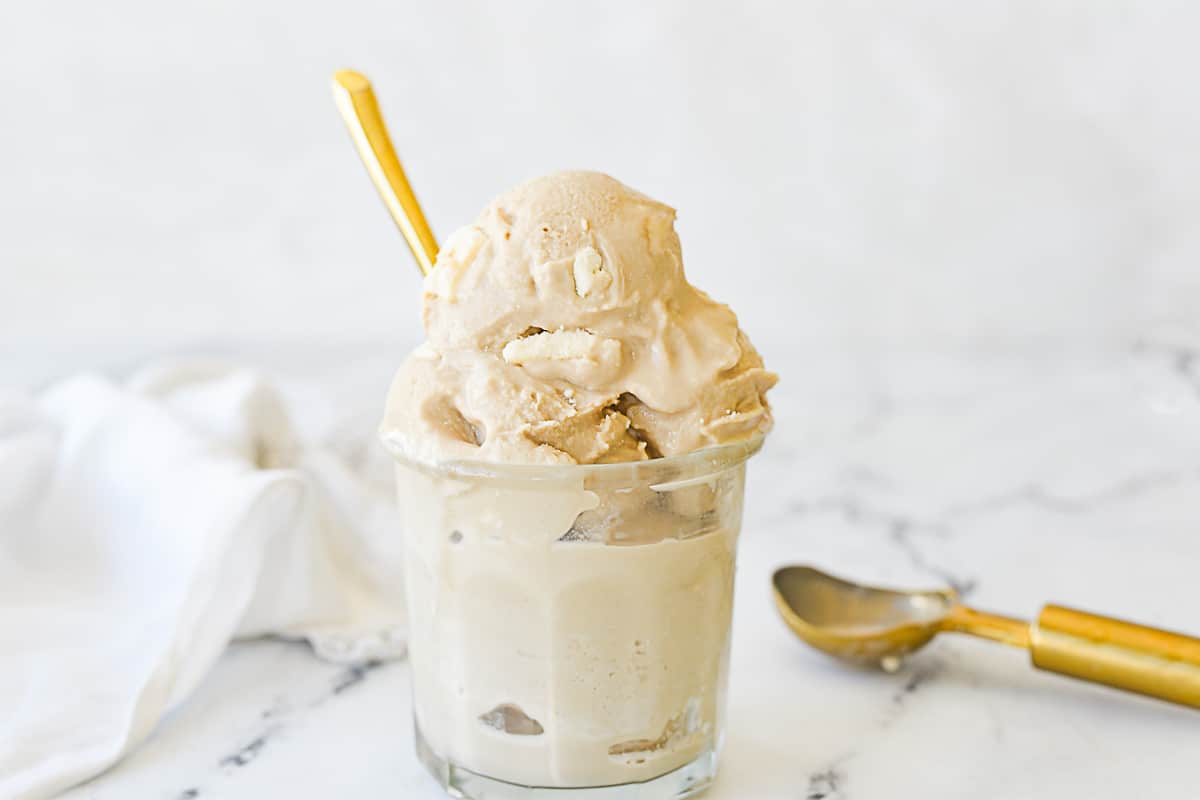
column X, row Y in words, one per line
column 463, row 784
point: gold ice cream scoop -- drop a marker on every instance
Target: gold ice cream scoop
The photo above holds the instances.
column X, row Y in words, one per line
column 360, row 110
column 876, row 626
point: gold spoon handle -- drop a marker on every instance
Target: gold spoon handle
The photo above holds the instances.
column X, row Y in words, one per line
column 357, row 104
column 1093, row 648
column 1014, row 632
column 1116, row 653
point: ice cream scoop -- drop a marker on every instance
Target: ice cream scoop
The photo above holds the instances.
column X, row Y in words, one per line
column 561, row 327
column 874, row 626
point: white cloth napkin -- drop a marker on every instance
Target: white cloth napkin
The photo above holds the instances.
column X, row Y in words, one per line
column 143, row 525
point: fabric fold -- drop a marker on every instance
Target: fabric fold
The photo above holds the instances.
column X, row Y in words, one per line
column 146, row 524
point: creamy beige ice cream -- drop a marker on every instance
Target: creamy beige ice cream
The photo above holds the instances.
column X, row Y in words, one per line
column 561, row 329
column 570, row 624
column 571, row 633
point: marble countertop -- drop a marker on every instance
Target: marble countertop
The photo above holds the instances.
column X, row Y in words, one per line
column 1019, row 478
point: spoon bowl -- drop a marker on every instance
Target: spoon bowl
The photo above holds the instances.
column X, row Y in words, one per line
column 862, row 624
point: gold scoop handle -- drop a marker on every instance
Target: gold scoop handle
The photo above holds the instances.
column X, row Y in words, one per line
column 1116, row 653
column 357, row 104
column 1093, row 648
column 1014, row 632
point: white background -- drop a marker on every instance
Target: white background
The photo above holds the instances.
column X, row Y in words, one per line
column 851, row 176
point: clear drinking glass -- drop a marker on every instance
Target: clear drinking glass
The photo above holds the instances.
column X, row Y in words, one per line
column 569, row 625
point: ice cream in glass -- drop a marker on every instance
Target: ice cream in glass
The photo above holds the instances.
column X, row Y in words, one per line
column 570, row 447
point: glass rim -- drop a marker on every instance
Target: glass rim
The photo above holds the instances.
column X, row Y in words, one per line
column 683, row 466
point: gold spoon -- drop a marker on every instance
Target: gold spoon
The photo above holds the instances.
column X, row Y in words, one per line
column 876, row 626
column 356, row 101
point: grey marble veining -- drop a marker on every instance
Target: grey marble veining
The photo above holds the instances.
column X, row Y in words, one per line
column 1019, row 479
